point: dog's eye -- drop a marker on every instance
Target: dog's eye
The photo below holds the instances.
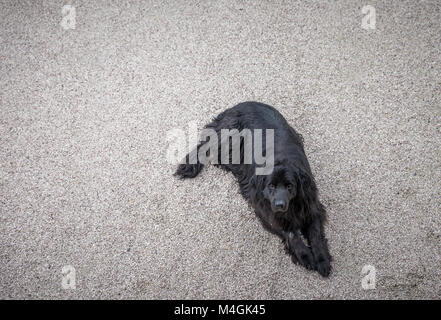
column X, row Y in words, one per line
column 289, row 186
column 271, row 186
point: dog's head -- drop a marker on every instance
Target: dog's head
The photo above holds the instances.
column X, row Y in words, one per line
column 286, row 185
column 280, row 188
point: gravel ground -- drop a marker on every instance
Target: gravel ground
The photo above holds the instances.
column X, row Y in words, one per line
column 85, row 114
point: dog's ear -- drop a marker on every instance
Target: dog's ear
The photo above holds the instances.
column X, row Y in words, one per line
column 303, row 183
column 256, row 186
column 258, row 182
column 306, row 188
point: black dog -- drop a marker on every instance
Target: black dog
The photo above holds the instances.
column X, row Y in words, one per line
column 286, row 201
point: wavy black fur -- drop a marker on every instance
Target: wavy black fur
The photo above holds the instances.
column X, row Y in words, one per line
column 305, row 215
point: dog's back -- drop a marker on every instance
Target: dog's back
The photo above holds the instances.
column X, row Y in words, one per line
column 252, row 115
column 257, row 115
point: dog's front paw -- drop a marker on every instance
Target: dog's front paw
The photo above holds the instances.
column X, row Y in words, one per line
column 324, row 267
column 304, row 257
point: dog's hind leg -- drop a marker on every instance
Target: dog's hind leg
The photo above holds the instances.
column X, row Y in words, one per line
column 192, row 166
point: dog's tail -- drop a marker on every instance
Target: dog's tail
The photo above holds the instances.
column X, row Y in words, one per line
column 189, row 170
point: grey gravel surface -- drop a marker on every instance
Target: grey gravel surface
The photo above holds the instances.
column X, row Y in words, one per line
column 84, row 119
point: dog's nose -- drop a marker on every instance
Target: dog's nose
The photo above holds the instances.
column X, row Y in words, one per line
column 280, row 204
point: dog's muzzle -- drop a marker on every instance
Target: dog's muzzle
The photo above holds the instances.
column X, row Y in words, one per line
column 280, row 206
